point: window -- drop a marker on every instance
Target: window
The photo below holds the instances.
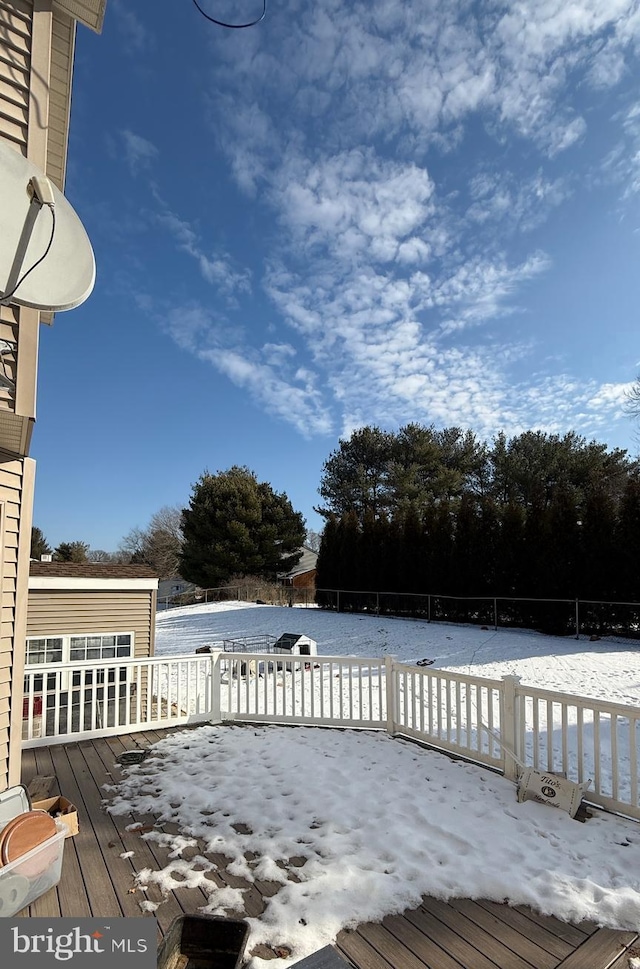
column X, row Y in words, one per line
column 84, row 648
column 79, row 649
column 44, row 651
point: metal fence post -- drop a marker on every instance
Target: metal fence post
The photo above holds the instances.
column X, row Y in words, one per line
column 510, row 726
column 577, row 619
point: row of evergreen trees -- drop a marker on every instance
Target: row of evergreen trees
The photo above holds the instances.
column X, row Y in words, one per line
column 537, row 517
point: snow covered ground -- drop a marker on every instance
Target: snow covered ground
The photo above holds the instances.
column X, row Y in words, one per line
column 608, row 669
column 355, row 825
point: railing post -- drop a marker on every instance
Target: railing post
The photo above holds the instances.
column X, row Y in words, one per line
column 214, row 699
column 390, row 691
column 577, row 619
column 509, row 725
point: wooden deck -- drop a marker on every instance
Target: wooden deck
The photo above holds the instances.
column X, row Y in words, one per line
column 463, row 934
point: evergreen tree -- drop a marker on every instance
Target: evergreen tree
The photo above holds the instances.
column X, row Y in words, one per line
column 327, row 566
column 562, row 545
column 411, row 559
column 355, row 476
column 39, row 544
column 236, row 526
column 440, row 548
column 71, row 552
column 598, row 555
column 463, row 568
column 485, row 554
column 510, row 554
column 628, row 542
column 349, row 536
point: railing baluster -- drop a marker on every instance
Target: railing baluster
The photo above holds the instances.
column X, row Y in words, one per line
column 634, row 730
column 614, row 756
column 565, row 739
column 580, row 744
column 596, row 750
column 549, row 735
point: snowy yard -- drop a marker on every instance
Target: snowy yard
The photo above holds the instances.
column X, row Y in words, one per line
column 355, row 825
column 608, row 669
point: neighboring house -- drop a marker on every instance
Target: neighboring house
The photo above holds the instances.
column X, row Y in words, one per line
column 90, row 610
column 303, row 574
column 37, row 40
column 168, row 588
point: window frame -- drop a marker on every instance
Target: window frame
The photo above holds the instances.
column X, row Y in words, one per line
column 67, row 680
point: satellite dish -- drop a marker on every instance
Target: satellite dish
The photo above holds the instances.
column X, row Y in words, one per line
column 46, row 259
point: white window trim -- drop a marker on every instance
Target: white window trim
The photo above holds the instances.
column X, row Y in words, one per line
column 65, row 679
column 66, row 646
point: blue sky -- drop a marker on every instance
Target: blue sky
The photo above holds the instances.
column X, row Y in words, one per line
column 354, row 213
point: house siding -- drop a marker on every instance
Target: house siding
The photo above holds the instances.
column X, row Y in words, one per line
column 63, row 33
column 15, row 68
column 37, row 39
column 17, row 326
column 16, row 502
column 66, row 612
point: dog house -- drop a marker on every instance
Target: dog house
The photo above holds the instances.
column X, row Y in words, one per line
column 296, row 645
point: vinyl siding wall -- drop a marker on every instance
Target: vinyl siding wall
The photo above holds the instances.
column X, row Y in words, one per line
column 16, row 501
column 15, row 70
column 36, row 63
column 68, row 612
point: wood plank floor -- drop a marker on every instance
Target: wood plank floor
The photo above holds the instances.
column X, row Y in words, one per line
column 462, row 934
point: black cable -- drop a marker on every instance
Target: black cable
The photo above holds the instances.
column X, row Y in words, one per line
column 5, row 296
column 221, row 23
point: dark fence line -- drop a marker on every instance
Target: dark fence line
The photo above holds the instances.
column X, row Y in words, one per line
column 278, row 595
column 556, row 616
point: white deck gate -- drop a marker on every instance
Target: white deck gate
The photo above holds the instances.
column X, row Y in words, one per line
column 499, row 723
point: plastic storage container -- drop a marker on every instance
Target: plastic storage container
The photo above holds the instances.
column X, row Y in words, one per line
column 34, row 873
column 204, row 941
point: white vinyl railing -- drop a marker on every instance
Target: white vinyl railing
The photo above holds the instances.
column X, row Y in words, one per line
column 583, row 739
column 499, row 723
column 322, row 690
column 460, row 714
column 74, row 701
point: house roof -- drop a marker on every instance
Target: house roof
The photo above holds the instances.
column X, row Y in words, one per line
column 307, row 563
column 87, row 12
column 90, row 570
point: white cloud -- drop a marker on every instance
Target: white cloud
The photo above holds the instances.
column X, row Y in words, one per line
column 271, row 375
column 217, row 268
column 400, row 262
column 135, row 35
column 417, row 73
column 355, row 204
column 294, row 399
column 515, row 203
column 139, row 152
column 610, row 398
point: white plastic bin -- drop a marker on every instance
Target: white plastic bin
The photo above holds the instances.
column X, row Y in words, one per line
column 34, row 873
